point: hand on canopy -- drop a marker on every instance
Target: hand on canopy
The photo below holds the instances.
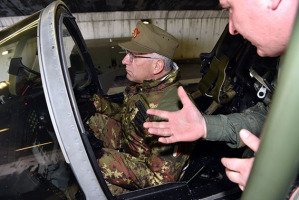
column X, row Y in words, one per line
column 186, row 124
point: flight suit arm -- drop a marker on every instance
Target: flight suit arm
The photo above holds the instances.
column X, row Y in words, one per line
column 227, row 127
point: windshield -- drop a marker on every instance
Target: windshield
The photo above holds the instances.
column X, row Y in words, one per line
column 31, row 162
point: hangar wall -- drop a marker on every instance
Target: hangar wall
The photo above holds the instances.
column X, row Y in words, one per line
column 197, row 31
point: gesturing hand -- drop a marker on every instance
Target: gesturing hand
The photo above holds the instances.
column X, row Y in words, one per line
column 186, row 124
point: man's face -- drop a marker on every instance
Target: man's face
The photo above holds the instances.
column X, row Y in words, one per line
column 139, row 69
column 257, row 22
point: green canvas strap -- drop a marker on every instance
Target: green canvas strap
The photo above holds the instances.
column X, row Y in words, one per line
column 216, row 73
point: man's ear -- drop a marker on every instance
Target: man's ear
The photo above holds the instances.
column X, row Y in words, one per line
column 275, row 4
column 158, row 66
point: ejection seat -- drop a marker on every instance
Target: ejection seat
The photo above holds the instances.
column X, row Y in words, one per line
column 231, row 71
column 217, row 67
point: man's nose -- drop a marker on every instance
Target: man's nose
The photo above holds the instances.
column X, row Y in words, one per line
column 126, row 60
column 223, row 3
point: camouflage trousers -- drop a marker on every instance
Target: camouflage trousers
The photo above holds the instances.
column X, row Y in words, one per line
column 122, row 171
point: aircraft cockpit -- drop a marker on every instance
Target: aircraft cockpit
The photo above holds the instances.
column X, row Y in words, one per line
column 46, row 149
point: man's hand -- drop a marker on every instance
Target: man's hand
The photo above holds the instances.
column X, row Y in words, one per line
column 186, row 124
column 238, row 170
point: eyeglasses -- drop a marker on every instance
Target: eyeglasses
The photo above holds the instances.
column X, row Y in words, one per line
column 132, row 56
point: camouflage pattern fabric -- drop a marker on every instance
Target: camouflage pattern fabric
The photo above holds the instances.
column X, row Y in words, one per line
column 142, row 161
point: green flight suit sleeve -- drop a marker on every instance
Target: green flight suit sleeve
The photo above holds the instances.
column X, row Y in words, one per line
column 227, row 127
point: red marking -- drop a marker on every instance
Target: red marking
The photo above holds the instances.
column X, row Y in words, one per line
column 135, row 33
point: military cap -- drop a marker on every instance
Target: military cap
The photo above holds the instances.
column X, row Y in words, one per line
column 148, row 38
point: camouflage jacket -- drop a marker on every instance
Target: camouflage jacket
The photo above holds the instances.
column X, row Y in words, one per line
column 164, row 160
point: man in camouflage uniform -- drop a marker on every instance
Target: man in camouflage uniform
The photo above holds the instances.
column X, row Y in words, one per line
column 132, row 158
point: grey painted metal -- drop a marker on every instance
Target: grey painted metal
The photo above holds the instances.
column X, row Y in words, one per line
column 277, row 161
column 60, row 108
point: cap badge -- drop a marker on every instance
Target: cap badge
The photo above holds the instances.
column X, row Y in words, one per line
column 135, row 32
